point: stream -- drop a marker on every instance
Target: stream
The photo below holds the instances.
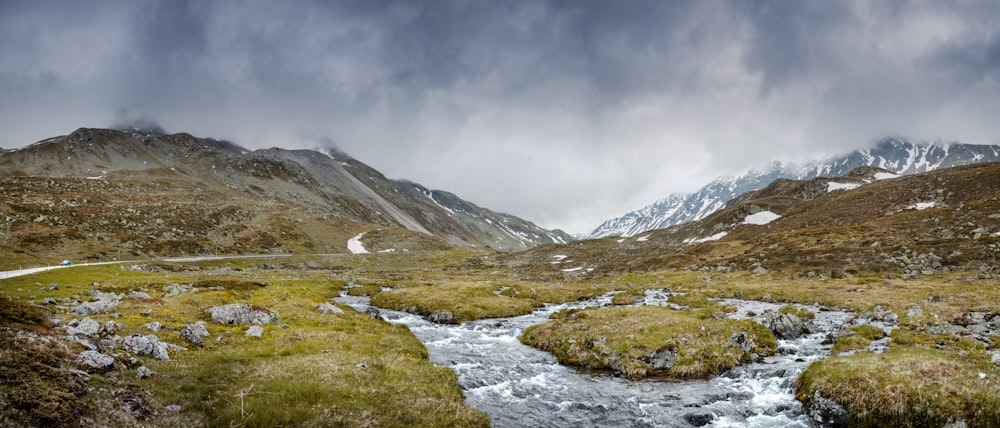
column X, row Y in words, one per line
column 520, row 386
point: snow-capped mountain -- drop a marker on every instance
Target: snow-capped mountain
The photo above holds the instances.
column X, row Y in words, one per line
column 894, row 154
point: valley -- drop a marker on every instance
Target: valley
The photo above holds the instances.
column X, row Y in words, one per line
column 841, row 300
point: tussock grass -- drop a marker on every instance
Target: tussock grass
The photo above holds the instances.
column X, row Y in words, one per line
column 315, row 370
column 471, row 301
column 467, row 301
column 620, row 339
column 906, row 386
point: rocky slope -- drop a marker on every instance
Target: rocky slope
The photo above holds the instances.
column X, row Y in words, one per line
column 164, row 194
column 868, row 222
column 894, row 154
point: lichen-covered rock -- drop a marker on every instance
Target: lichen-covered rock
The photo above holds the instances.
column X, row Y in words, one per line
column 442, row 317
column 787, row 326
column 145, row 372
column 255, row 331
column 178, row 289
column 826, row 412
column 663, row 358
column 327, row 308
column 95, row 360
column 741, row 341
column 148, row 345
column 86, row 326
column 102, row 303
column 194, row 332
column 242, row 314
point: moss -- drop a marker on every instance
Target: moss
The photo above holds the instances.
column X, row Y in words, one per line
column 628, row 297
column 906, row 386
column 364, row 290
column 465, row 301
column 797, row 311
column 692, row 300
column 622, row 339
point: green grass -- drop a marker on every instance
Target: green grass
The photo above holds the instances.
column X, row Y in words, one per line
column 907, row 387
column 620, row 338
column 322, row 370
column 469, row 301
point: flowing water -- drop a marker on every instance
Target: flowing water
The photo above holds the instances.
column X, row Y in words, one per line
column 520, row 386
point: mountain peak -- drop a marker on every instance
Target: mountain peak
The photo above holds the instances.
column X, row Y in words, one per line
column 893, row 153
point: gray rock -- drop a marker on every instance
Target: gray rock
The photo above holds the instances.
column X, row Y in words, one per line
column 699, row 419
column 148, row 345
column 826, row 411
column 759, row 270
column 787, row 326
column 242, row 314
column 442, row 317
column 145, row 372
column 86, row 326
column 107, row 344
column 136, row 294
column 663, row 358
column 153, row 326
column 915, row 312
column 327, row 308
column 49, row 301
column 255, row 331
column 109, row 329
column 373, row 313
column 105, row 302
column 177, row 289
column 741, row 341
column 95, row 360
column 194, row 332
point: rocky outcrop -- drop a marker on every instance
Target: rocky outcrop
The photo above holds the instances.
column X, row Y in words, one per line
column 148, row 345
column 663, row 358
column 242, row 314
column 442, row 317
column 826, row 412
column 193, row 333
column 102, row 303
column 787, row 326
column 95, row 360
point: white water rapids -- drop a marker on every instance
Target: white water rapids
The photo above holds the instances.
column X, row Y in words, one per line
column 519, row 386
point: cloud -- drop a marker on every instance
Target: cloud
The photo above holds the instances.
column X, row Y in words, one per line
column 565, row 113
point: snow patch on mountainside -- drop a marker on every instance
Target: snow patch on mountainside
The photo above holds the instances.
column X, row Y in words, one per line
column 355, row 246
column 894, row 154
column 761, row 218
column 833, row 186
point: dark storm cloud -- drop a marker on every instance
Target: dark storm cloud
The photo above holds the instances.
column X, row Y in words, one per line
column 563, row 112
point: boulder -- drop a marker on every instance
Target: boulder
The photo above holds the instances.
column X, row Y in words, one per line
column 787, row 326
column 699, row 419
column 95, row 360
column 373, row 313
column 145, row 372
column 148, row 345
column 255, row 331
column 136, row 294
column 153, row 326
column 663, row 358
column 327, row 308
column 178, row 289
column 103, row 303
column 86, row 327
column 242, row 314
column 741, row 341
column 826, row 412
column 442, row 317
column 194, row 332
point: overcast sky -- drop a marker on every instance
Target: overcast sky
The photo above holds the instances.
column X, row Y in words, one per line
column 565, row 113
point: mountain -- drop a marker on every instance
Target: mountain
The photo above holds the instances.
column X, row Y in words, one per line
column 868, row 222
column 894, row 154
column 150, row 192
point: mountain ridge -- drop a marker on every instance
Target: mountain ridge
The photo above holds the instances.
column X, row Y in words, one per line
column 323, row 184
column 892, row 153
